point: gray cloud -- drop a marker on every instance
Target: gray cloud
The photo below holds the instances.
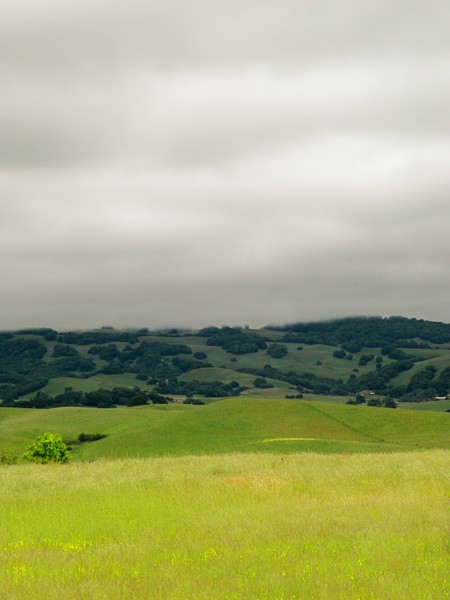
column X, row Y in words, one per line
column 227, row 162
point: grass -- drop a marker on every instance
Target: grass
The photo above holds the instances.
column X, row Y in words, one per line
column 231, row 425
column 433, row 405
column 297, row 360
column 240, row 526
column 108, row 382
column 227, row 376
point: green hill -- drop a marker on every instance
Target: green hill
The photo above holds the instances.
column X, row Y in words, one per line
column 232, row 425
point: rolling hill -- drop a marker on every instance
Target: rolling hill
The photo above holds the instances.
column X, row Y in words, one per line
column 231, row 425
column 395, row 357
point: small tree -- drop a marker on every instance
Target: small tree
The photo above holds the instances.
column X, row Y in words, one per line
column 389, row 403
column 374, row 402
column 48, row 447
column 360, row 399
column 277, row 350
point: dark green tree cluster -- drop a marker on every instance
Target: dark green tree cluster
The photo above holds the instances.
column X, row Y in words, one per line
column 101, row 398
column 234, row 339
column 386, row 402
column 212, row 389
column 425, row 385
column 64, row 350
column 354, row 334
column 47, row 333
column 303, row 380
column 262, row 383
column 379, row 380
column 86, row 338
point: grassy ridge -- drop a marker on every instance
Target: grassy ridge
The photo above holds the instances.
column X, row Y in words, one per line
column 232, row 425
column 239, row 526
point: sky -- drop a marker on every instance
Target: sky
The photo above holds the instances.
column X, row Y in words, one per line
column 194, row 163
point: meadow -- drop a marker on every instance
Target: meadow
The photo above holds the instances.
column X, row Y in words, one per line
column 228, row 526
column 243, row 424
column 242, row 498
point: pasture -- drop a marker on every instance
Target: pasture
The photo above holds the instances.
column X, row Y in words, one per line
column 231, row 425
column 229, row 526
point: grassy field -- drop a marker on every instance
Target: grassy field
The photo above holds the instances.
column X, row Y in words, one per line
column 317, row 359
column 108, row 382
column 433, row 405
column 231, row 425
column 240, row 526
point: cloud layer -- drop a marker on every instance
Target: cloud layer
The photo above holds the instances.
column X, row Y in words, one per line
column 223, row 163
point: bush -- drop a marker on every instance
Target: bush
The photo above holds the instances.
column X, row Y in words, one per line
column 48, row 447
column 195, row 401
column 90, row 437
column 9, row 459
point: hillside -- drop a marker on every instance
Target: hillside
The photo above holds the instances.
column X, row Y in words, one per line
column 406, row 359
column 231, row 425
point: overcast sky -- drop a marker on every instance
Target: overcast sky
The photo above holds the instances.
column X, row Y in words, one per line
column 197, row 162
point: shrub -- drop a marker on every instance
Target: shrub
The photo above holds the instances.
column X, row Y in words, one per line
column 196, row 401
column 90, row 437
column 48, row 447
column 9, row 459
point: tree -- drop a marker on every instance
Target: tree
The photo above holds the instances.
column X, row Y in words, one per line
column 262, row 383
column 137, row 401
column 389, row 403
column 374, row 402
column 360, row 399
column 48, row 447
column 277, row 350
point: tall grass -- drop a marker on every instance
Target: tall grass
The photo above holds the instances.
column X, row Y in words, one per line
column 240, row 526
